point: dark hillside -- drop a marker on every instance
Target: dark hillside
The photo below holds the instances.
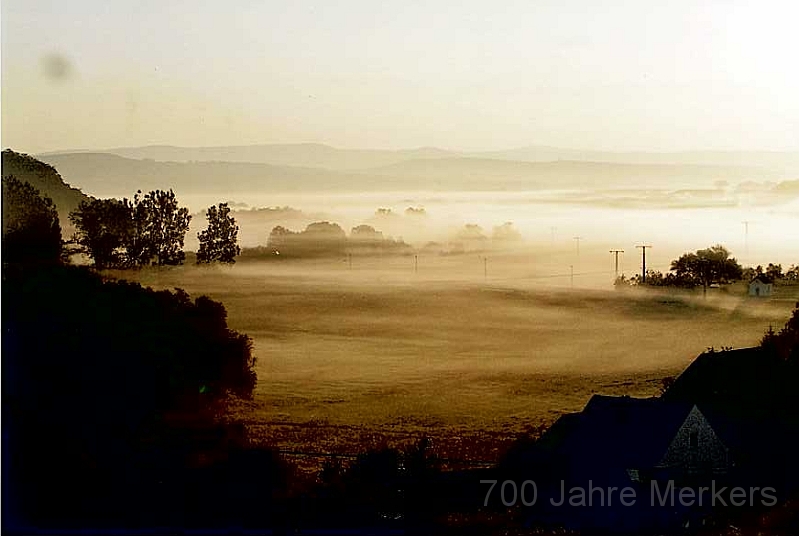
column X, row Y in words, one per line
column 47, row 180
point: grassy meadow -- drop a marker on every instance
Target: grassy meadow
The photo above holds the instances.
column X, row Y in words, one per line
column 350, row 358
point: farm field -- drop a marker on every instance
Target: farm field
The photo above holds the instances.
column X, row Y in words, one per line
column 353, row 359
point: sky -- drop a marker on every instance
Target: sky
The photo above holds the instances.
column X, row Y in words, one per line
column 468, row 75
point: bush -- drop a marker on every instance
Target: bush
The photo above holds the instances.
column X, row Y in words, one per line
column 94, row 371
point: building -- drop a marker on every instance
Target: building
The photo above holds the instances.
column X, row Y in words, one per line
column 729, row 420
column 639, row 437
column 760, row 286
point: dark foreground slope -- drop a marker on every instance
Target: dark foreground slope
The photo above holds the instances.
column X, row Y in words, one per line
column 46, row 180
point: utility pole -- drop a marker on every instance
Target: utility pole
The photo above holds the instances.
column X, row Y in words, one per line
column 485, row 268
column 416, row 264
column 616, row 253
column 578, row 238
column 571, row 275
column 746, row 237
column 643, row 264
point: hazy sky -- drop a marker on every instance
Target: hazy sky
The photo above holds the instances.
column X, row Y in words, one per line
column 650, row 75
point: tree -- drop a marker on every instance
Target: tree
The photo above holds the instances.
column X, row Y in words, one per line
column 366, row 233
column 151, row 228
column 120, row 382
column 104, row 228
column 774, row 271
column 159, row 228
column 219, row 241
column 705, row 267
column 506, row 233
column 31, row 231
column 784, row 343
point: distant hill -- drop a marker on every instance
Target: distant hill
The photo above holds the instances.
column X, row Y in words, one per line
column 324, row 156
column 47, row 180
column 111, row 175
column 314, row 155
column 774, row 160
column 475, row 173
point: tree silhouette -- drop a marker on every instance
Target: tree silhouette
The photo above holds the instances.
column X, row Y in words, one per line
column 31, row 231
column 785, row 343
column 218, row 242
column 95, row 396
column 706, row 266
column 159, row 228
column 117, row 234
column 104, row 227
column 318, row 239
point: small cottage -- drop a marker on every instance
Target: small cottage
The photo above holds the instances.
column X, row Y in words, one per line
column 760, row 286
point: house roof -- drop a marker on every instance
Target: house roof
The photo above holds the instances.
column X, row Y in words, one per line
column 615, row 433
column 744, row 383
column 763, row 278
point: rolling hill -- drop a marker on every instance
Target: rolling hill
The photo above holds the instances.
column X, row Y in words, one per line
column 314, row 155
column 112, row 175
column 47, row 180
column 324, row 156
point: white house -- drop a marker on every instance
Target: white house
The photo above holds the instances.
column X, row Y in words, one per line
column 760, row 287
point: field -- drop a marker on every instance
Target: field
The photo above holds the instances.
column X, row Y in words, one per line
column 351, row 358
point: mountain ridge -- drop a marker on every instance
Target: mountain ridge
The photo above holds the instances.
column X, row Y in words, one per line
column 329, row 157
column 108, row 174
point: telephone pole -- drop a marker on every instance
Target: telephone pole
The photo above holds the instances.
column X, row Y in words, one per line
column 416, row 264
column 578, row 238
column 643, row 264
column 616, row 253
column 571, row 275
column 746, row 237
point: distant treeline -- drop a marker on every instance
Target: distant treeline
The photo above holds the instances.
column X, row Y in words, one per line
column 705, row 268
column 321, row 239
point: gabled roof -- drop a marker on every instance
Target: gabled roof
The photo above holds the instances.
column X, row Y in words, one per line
column 763, row 278
column 744, row 383
column 616, row 433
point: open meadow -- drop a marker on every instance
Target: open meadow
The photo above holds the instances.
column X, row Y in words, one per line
column 351, row 358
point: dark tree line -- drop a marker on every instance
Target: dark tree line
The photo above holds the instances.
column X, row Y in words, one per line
column 322, row 238
column 31, row 230
column 785, row 342
column 150, row 229
column 112, row 391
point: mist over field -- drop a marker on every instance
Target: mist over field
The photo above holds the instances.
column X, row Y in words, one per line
column 381, row 351
column 311, row 267
column 675, row 201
